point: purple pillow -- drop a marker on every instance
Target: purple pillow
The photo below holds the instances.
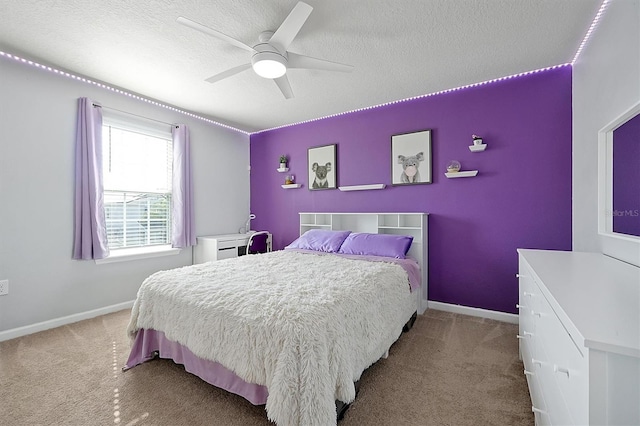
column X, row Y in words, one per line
column 320, row 240
column 386, row 245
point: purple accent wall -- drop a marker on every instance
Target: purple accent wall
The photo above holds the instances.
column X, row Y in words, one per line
column 520, row 198
column 626, row 178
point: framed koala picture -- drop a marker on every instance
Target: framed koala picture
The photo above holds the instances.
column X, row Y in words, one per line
column 322, row 167
column 411, row 158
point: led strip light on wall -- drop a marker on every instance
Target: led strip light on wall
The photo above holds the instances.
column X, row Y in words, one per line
column 585, row 40
column 593, row 26
column 455, row 89
column 121, row 92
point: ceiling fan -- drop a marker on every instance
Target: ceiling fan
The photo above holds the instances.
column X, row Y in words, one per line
column 270, row 58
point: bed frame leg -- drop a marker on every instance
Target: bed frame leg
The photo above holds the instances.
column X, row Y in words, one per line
column 342, row 407
column 410, row 323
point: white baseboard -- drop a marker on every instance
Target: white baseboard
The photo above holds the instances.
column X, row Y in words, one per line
column 41, row 326
column 475, row 312
column 57, row 322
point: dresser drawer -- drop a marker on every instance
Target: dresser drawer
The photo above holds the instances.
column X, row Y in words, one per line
column 227, row 252
column 218, row 247
column 528, row 293
column 526, row 325
column 556, row 362
column 226, row 244
column 526, row 352
column 538, row 404
column 526, row 337
column 568, row 367
column 541, row 418
column 556, row 406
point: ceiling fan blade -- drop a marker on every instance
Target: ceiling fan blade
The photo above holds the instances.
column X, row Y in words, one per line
column 301, row 61
column 228, row 73
column 284, row 86
column 199, row 27
column 290, row 27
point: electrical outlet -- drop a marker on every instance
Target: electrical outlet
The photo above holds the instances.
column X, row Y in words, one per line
column 4, row 287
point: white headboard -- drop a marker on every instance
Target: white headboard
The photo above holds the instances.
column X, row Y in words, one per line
column 412, row 224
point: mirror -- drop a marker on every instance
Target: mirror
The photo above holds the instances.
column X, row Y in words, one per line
column 619, row 176
column 626, row 178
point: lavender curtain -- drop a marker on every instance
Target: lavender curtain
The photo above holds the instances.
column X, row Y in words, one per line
column 183, row 230
column 90, row 232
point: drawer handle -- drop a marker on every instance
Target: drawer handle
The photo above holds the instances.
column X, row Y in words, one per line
column 537, row 361
column 519, row 306
column 537, row 410
column 529, row 373
column 562, row 370
column 536, row 314
column 526, row 334
column 526, row 293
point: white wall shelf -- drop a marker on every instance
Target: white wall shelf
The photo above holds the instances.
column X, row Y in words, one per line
column 292, row 186
column 283, row 169
column 362, row 187
column 478, row 148
column 468, row 173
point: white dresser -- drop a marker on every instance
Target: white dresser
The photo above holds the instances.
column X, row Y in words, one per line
column 218, row 247
column 580, row 337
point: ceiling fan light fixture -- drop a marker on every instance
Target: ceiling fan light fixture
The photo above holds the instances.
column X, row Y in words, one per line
column 271, row 58
column 269, row 64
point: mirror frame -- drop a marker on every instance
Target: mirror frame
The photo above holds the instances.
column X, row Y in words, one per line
column 605, row 175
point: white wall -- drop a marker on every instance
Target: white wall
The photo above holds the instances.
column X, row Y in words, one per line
column 606, row 82
column 37, row 137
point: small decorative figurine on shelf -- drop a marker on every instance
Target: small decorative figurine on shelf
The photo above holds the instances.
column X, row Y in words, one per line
column 283, row 161
column 453, row 166
column 477, row 140
column 290, row 179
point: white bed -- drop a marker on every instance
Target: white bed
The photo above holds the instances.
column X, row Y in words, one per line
column 300, row 324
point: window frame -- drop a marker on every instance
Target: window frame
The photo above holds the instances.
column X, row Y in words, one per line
column 148, row 127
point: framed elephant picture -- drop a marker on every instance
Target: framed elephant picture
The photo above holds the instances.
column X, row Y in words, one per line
column 411, row 158
column 322, row 167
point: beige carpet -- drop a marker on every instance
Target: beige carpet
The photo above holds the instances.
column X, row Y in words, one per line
column 449, row 369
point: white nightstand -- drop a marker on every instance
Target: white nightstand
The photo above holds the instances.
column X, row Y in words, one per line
column 218, row 247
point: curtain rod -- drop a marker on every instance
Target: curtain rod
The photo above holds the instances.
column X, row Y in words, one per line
column 135, row 115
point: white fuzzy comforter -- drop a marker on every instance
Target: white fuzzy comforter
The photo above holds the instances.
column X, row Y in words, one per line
column 304, row 325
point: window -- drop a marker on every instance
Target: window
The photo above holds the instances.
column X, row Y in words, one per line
column 137, row 171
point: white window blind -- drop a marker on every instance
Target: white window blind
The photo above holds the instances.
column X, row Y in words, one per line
column 137, row 171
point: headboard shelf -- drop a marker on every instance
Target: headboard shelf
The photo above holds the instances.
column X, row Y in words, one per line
column 398, row 227
column 413, row 224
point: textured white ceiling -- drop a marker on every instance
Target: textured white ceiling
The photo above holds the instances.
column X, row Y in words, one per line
column 399, row 49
